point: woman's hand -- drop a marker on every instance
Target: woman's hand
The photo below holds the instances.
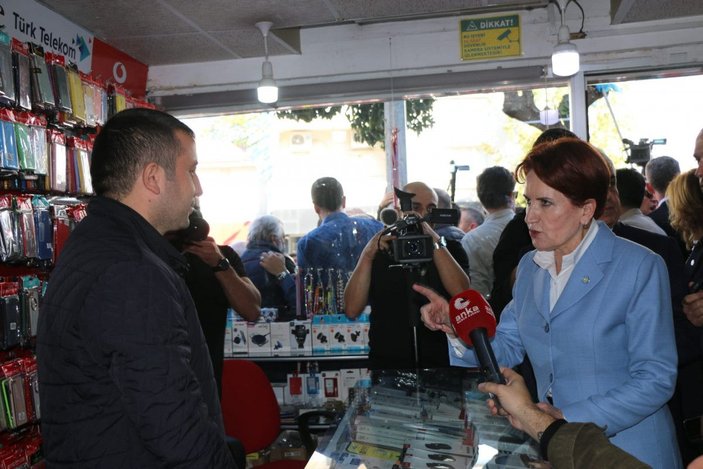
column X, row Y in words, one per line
column 435, row 314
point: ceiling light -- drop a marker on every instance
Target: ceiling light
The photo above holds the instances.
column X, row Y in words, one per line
column 565, row 57
column 267, row 91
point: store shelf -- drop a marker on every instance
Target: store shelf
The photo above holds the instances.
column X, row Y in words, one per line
column 296, row 357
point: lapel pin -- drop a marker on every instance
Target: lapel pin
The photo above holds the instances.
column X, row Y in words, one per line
column 585, row 279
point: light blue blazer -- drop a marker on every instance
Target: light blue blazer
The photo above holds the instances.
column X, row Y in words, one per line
column 607, row 349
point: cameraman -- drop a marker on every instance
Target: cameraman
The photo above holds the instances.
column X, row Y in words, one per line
column 378, row 280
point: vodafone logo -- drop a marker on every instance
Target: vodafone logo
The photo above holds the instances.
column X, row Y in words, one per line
column 119, row 72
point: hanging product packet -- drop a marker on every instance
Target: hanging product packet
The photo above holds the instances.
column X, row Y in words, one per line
column 42, row 91
column 79, row 156
column 38, row 142
column 12, row 389
column 117, row 99
column 30, row 293
column 29, row 367
column 59, row 81
column 22, row 76
column 57, row 180
column 23, row 140
column 27, row 230
column 7, row 78
column 9, row 159
column 75, row 88
column 65, row 219
column 9, row 230
column 44, row 228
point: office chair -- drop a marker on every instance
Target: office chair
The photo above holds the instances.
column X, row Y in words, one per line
column 251, row 413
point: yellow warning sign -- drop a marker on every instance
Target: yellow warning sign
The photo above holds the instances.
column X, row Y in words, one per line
column 490, row 37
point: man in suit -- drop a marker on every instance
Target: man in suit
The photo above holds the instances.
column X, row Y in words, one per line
column 659, row 172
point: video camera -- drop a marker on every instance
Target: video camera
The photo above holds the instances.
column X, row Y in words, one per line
column 640, row 153
column 411, row 245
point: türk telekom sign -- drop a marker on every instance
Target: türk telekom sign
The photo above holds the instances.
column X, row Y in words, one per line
column 28, row 21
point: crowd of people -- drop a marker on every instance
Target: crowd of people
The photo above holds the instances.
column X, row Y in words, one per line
column 596, row 285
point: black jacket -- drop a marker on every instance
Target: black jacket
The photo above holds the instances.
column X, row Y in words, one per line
column 125, row 375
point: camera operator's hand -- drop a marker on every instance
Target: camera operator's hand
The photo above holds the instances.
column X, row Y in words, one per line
column 379, row 241
column 206, row 250
column 435, row 314
column 428, row 230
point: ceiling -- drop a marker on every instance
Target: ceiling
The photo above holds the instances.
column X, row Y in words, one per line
column 161, row 32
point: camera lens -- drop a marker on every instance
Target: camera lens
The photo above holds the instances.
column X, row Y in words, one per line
column 414, row 247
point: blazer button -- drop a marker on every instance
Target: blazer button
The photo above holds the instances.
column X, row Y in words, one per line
column 546, row 328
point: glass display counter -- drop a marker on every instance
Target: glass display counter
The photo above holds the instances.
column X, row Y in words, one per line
column 432, row 419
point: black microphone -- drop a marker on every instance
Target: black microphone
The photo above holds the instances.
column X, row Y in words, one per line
column 475, row 323
column 388, row 216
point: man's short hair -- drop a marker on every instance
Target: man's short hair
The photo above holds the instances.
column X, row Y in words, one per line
column 327, row 193
column 631, row 187
column 130, row 140
column 444, row 200
column 495, row 187
column 661, row 171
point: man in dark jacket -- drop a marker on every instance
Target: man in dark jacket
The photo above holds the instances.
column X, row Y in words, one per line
column 125, row 375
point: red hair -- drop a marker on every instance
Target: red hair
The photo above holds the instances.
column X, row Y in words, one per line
column 571, row 166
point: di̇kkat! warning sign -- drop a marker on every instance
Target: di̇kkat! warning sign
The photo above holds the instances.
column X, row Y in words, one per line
column 490, row 37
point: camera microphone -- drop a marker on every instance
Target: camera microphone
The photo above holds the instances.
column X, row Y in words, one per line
column 474, row 323
column 388, row 216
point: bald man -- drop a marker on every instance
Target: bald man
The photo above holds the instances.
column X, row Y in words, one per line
column 379, row 281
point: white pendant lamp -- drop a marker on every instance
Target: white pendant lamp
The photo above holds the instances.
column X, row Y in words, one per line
column 267, row 91
column 565, row 57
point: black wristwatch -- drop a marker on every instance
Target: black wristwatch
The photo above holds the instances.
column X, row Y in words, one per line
column 222, row 265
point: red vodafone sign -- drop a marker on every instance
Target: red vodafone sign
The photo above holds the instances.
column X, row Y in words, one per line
column 111, row 65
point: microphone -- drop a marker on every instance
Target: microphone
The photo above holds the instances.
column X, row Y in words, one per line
column 388, row 216
column 474, row 323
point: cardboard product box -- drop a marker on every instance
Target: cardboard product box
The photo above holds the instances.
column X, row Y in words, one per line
column 295, row 392
column 280, row 337
column 228, row 339
column 300, row 336
column 279, row 390
column 348, row 377
column 259, row 337
column 331, row 385
column 364, row 325
column 338, row 337
column 320, row 331
column 240, row 338
column 354, row 336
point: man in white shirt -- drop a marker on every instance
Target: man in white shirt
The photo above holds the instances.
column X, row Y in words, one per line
column 631, row 187
column 495, row 188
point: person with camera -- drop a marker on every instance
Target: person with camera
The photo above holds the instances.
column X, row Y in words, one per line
column 381, row 279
